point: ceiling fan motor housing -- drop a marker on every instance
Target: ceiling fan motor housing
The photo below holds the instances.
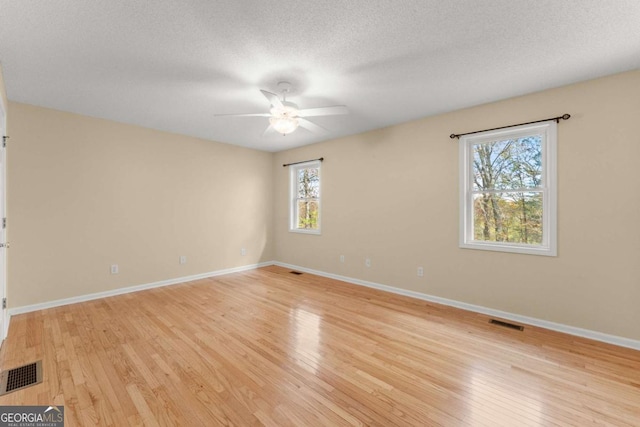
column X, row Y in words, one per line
column 288, row 109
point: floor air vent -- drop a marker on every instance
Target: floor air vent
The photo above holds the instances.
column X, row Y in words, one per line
column 506, row 324
column 21, row 377
column 297, row 273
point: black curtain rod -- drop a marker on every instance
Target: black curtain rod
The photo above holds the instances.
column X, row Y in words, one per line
column 304, row 161
column 557, row 119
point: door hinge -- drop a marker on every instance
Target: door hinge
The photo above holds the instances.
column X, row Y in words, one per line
column 4, row 245
column 4, row 303
column 4, row 222
column 4, row 141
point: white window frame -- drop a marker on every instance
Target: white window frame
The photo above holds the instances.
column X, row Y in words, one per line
column 548, row 130
column 293, row 196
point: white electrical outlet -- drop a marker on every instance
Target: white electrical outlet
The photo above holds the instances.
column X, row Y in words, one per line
column 367, row 262
column 183, row 259
column 420, row 272
column 114, row 269
column 341, row 258
column 243, row 251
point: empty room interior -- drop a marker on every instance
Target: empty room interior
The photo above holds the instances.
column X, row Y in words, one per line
column 333, row 213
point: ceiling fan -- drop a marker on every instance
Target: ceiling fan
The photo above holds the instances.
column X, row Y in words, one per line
column 285, row 116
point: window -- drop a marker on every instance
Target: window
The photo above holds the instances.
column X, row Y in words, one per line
column 508, row 190
column 305, row 197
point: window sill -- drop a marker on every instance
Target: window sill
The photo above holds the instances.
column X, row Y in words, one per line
column 303, row 231
column 516, row 249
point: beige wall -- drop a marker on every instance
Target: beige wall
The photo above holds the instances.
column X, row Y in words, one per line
column 392, row 195
column 85, row 193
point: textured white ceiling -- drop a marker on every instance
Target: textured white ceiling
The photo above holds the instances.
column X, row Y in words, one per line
column 172, row 65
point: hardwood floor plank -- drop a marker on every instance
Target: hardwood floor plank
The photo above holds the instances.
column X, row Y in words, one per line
column 265, row 347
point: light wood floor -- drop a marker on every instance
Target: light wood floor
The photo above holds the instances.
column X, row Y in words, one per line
column 266, row 347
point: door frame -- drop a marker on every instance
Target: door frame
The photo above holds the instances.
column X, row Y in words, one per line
column 4, row 313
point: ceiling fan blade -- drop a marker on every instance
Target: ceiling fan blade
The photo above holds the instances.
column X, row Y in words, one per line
column 324, row 111
column 273, row 98
column 243, row 115
column 269, row 131
column 310, row 126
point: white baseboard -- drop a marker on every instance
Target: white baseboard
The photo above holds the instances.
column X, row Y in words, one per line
column 571, row 330
column 129, row 289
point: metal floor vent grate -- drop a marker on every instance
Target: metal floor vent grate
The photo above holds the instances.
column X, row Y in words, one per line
column 297, row 273
column 21, row 377
column 506, row 324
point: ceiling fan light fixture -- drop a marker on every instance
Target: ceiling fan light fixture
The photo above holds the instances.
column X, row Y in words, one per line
column 284, row 124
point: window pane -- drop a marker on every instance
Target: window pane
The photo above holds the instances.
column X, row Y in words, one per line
column 508, row 164
column 307, row 214
column 508, row 217
column 308, row 183
column 305, row 197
